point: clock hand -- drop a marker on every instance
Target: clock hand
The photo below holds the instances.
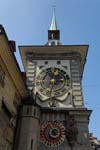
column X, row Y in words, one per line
column 52, row 83
column 51, row 101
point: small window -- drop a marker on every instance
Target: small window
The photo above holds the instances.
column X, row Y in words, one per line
column 27, row 111
column 2, row 77
column 58, row 62
column 31, row 144
column 46, row 62
column 34, row 112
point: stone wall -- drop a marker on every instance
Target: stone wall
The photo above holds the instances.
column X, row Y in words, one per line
column 7, row 110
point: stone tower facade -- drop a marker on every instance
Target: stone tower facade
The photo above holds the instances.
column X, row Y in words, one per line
column 55, row 118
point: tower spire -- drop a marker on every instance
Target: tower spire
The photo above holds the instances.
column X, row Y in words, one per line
column 53, row 22
column 53, row 32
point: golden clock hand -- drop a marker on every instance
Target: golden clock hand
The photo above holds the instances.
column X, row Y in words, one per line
column 50, row 85
column 51, row 100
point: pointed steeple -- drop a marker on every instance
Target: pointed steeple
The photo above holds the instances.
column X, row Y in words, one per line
column 53, row 22
column 53, row 32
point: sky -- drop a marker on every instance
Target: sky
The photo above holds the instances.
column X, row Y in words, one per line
column 27, row 22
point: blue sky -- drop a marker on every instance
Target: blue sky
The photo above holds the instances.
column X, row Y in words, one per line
column 27, row 22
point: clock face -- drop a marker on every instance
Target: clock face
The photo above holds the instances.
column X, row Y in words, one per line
column 52, row 133
column 53, row 82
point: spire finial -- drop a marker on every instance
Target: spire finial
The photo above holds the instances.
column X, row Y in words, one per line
column 53, row 22
column 54, row 6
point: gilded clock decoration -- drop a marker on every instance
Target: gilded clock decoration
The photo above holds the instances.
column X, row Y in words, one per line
column 53, row 82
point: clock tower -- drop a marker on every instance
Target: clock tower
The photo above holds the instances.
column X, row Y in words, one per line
column 54, row 117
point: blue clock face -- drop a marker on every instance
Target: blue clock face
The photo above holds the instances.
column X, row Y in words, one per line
column 53, row 82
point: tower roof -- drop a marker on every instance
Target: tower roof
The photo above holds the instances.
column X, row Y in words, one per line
column 53, row 32
column 53, row 23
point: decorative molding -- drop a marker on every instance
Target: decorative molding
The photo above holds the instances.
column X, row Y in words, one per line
column 43, row 56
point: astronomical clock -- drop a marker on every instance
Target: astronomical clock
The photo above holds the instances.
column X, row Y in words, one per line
column 53, row 83
column 52, row 134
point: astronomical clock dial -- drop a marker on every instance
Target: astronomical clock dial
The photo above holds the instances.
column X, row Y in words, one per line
column 52, row 133
column 53, row 82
